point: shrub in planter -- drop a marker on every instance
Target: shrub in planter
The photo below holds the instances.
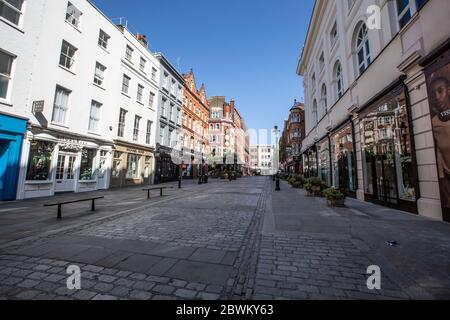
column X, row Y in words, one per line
column 335, row 197
column 317, row 186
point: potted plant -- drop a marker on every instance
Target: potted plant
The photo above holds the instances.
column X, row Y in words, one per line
column 317, row 186
column 334, row 197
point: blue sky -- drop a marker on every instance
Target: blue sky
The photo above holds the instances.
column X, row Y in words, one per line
column 246, row 50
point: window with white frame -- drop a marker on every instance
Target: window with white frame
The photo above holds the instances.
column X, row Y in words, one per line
column 148, row 133
column 172, row 112
column 99, row 75
column 103, row 39
column 321, row 61
column 324, row 100
column 67, row 57
column 339, row 80
column 133, row 166
column 142, row 64
column 154, row 71
column 129, row 53
column 315, row 116
column 140, row 93
column 151, row 100
column 162, row 130
column 94, row 117
column 73, row 15
column 172, row 87
column 166, row 81
column 163, row 107
column 406, row 10
column 121, row 126
column 334, row 34
column 137, row 121
column 362, row 48
column 11, row 10
column 313, row 81
column 126, row 84
column 6, row 62
column 61, row 105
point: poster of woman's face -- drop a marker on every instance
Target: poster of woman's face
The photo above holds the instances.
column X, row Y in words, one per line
column 438, row 83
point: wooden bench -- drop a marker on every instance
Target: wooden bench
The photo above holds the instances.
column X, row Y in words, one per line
column 156, row 188
column 60, row 204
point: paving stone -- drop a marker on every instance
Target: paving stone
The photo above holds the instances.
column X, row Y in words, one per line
column 140, row 295
column 164, row 289
column 178, row 283
column 107, row 278
column 120, row 291
column 214, row 289
column 28, row 283
column 47, row 286
column 185, row 293
column 208, row 296
column 11, row 281
column 38, row 275
column 104, row 297
column 84, row 295
column 143, row 285
column 103, row 287
column 55, row 278
column 196, row 286
column 27, row 295
column 125, row 283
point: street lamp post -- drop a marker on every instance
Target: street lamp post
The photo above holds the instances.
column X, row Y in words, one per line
column 180, row 177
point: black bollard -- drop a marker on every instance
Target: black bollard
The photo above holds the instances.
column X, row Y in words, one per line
column 179, row 182
column 277, row 184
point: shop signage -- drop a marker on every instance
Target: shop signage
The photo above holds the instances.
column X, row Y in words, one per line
column 38, row 106
column 136, row 151
column 438, row 84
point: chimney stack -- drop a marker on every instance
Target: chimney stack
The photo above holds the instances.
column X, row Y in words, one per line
column 142, row 39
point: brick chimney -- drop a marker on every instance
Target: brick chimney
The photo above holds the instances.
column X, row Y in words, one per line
column 142, row 39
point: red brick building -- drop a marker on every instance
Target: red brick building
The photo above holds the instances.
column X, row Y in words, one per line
column 229, row 142
column 195, row 135
column 291, row 140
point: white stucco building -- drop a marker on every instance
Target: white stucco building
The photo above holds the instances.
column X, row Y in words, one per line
column 85, row 87
column 368, row 120
column 169, row 119
column 262, row 159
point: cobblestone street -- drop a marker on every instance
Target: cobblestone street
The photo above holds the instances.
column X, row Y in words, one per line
column 222, row 240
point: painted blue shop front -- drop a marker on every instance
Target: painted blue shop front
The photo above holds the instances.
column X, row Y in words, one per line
column 12, row 131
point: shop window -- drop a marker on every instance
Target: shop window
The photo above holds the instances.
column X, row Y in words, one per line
column 133, row 166
column 344, row 161
column 324, row 161
column 389, row 174
column 87, row 164
column 40, row 160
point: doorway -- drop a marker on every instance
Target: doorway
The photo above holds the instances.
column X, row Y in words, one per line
column 4, row 151
column 65, row 172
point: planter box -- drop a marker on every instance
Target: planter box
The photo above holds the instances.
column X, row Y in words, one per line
column 336, row 203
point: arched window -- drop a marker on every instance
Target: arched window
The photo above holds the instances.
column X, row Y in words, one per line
column 313, row 82
column 362, row 48
column 323, row 98
column 339, row 80
column 314, row 113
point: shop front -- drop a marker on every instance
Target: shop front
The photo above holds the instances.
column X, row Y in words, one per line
column 389, row 169
column 310, row 162
column 166, row 170
column 131, row 165
column 323, row 149
column 12, row 130
column 343, row 159
column 58, row 163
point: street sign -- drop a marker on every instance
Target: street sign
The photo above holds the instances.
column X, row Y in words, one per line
column 38, row 106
